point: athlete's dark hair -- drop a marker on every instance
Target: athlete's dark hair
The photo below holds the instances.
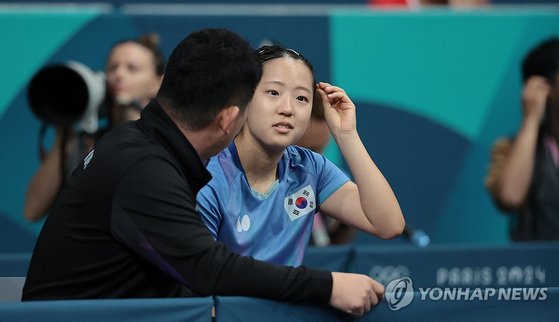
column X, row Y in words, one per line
column 267, row 53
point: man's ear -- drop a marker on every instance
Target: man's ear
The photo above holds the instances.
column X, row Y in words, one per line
column 227, row 117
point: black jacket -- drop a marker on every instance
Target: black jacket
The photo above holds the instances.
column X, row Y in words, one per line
column 126, row 226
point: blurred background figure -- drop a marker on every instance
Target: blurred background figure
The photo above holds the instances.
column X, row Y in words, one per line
column 524, row 173
column 325, row 230
column 133, row 72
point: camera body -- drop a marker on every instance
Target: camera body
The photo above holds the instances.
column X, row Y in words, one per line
column 63, row 94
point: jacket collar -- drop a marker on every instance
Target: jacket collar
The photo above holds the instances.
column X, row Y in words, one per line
column 156, row 122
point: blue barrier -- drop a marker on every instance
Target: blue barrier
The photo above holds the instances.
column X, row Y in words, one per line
column 463, row 282
column 15, row 264
column 422, row 308
column 247, row 309
column 137, row 310
column 438, row 265
column 332, row 258
column 527, row 264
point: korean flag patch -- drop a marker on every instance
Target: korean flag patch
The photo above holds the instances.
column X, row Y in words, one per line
column 300, row 203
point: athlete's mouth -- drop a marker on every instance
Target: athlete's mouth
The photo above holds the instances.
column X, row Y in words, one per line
column 283, row 125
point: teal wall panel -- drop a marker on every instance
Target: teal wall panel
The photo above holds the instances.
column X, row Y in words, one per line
column 29, row 37
column 47, row 37
column 458, row 69
column 441, row 64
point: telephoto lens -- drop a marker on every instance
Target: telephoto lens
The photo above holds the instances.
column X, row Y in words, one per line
column 63, row 94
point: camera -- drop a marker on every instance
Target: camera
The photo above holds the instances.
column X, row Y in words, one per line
column 63, row 94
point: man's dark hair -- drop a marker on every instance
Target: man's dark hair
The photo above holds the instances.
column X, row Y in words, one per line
column 543, row 60
column 209, row 70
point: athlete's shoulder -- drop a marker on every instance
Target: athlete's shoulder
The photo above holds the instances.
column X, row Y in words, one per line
column 300, row 157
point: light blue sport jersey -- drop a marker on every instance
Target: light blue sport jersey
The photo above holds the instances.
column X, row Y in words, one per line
column 276, row 226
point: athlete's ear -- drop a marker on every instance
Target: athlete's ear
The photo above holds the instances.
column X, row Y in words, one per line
column 227, row 118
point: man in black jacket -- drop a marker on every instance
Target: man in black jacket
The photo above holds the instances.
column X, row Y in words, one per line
column 125, row 224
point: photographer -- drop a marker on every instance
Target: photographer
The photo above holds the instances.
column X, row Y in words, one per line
column 134, row 69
